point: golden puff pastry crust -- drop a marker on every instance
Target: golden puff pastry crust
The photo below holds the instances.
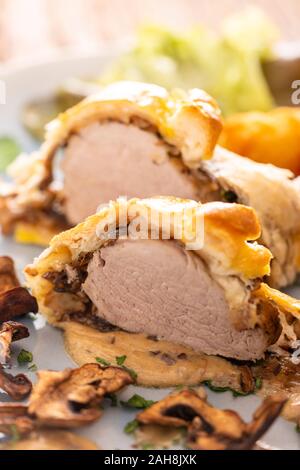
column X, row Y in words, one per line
column 275, row 196
column 189, row 121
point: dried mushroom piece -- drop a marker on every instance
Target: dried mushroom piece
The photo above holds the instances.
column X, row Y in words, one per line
column 210, row 428
column 225, row 430
column 72, row 398
column 10, row 332
column 14, row 419
column 281, row 376
column 8, row 277
column 15, row 303
column 14, row 299
column 17, row 387
column 177, row 410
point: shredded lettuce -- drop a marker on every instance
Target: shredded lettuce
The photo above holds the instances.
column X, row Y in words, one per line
column 227, row 65
column 9, row 150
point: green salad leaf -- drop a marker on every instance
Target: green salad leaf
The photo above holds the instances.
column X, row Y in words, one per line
column 9, row 150
column 228, row 65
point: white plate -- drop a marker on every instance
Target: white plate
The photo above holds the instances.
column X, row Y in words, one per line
column 46, row 343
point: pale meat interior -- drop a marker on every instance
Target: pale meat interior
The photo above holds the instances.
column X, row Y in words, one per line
column 159, row 288
column 110, row 159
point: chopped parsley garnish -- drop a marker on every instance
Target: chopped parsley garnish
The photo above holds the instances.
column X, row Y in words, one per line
column 25, row 357
column 15, row 435
column 131, row 426
column 138, row 402
column 113, row 398
column 32, row 316
column 147, row 446
column 258, row 383
column 131, row 372
column 33, row 368
column 216, row 389
column 179, row 387
column 120, row 360
column 102, row 361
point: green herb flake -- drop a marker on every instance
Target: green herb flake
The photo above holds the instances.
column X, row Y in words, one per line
column 138, row 402
column 147, row 446
column 178, row 388
column 9, row 150
column 102, row 361
column 15, row 435
column 258, row 383
column 33, row 368
column 33, row 316
column 25, row 357
column 216, row 389
column 131, row 426
column 120, row 360
column 114, row 399
column 131, row 372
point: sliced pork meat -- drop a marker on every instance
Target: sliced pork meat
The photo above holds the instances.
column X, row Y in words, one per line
column 159, row 288
column 111, row 159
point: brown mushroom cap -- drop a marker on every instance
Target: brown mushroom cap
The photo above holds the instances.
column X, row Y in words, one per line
column 10, row 332
column 72, row 398
column 17, row 387
column 210, row 428
column 15, row 303
column 15, row 417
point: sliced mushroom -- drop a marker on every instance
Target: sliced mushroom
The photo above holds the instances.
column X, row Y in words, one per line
column 8, row 277
column 14, row 299
column 177, row 410
column 10, row 332
column 17, row 387
column 72, row 398
column 281, row 376
column 210, row 428
column 16, row 302
column 227, row 431
column 14, row 419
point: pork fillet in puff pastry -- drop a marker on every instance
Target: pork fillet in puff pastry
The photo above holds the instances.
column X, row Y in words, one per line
column 139, row 140
column 132, row 139
column 204, row 298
